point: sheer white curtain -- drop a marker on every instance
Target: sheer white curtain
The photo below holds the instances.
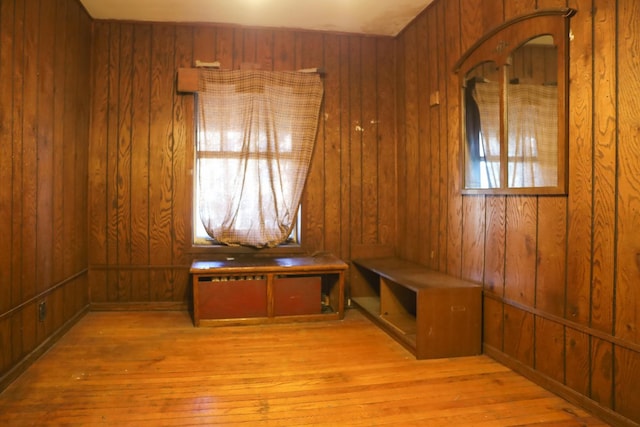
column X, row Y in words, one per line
column 532, row 124
column 533, row 135
column 256, row 132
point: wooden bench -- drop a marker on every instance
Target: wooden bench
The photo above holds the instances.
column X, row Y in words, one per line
column 256, row 289
column 432, row 314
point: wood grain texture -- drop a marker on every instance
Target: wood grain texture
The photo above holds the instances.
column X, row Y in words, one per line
column 577, row 351
column 551, row 264
column 521, row 249
column 44, row 129
column 581, row 173
column 424, row 46
column 628, row 186
column 443, row 177
column 550, row 349
column 519, row 335
column 604, row 170
column 6, row 169
column 454, row 197
column 473, row 246
column 627, row 364
column 309, row 53
column 494, row 258
column 411, row 169
column 433, row 152
column 155, row 368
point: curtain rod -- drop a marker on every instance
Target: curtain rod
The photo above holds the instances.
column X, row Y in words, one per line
column 216, row 66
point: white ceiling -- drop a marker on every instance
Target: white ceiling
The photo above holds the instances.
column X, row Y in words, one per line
column 378, row 17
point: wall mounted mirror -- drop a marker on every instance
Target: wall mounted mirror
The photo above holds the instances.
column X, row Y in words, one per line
column 514, row 107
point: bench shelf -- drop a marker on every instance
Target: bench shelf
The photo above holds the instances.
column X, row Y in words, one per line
column 251, row 289
column 432, row 314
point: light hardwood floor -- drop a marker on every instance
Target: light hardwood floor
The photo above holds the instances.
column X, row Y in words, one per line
column 155, row 368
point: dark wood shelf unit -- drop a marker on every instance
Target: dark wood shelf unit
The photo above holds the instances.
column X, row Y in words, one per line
column 432, row 314
column 250, row 289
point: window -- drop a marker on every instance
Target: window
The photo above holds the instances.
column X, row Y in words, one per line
column 220, row 161
column 255, row 136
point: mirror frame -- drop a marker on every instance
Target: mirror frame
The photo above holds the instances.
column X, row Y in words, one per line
column 497, row 46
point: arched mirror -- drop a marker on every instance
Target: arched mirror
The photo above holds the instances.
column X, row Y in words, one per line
column 514, row 107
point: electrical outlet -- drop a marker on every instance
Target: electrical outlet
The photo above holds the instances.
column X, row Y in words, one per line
column 42, row 311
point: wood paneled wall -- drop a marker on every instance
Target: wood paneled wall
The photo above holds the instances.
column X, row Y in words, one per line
column 140, row 162
column 44, row 133
column 561, row 274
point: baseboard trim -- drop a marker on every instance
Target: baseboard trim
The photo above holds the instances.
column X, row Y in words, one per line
column 48, row 343
column 559, row 389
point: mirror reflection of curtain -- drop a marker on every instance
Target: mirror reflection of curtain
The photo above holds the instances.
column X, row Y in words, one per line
column 533, row 132
column 256, row 133
column 487, row 95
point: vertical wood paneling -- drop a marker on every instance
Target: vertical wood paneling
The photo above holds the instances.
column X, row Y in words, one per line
column 515, row 8
column 330, row 121
column 224, row 47
column 59, row 243
column 549, row 348
column 161, row 208
column 6, row 171
column 551, row 256
column 454, row 198
column 430, row 188
column 370, row 141
column 495, row 240
column 43, row 122
column 356, row 130
column 604, row 169
column 112, row 158
column 29, row 149
column 577, row 360
column 161, row 146
column 518, row 335
column 183, row 141
column 441, row 88
column 473, row 245
column 139, row 197
column 309, row 54
column 627, row 367
column 493, row 323
column 401, row 142
column 601, row 372
column 123, row 159
column 412, row 145
column 17, row 103
column 204, row 44
column 425, row 46
column 627, row 276
column 44, row 205
column 385, row 94
column 264, row 49
column 580, row 169
column 345, row 144
column 520, row 264
column 98, row 161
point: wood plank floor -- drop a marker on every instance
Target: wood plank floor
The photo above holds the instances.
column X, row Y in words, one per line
column 155, row 368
